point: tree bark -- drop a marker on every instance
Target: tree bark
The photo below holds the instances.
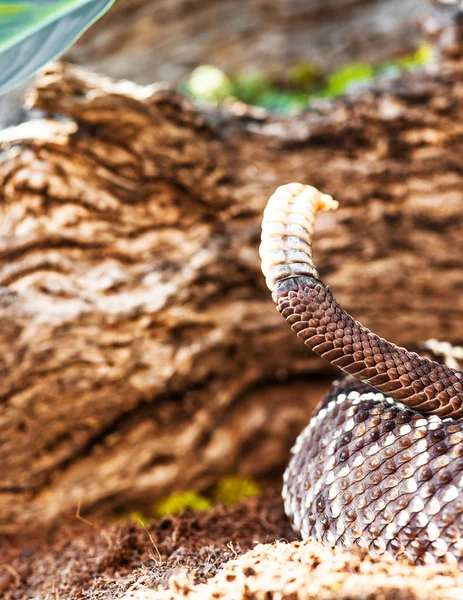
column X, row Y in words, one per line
column 140, row 351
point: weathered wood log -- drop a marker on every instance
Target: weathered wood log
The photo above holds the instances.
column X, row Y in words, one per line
column 139, row 349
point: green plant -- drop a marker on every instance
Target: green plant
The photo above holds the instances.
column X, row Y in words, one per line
column 229, row 490
column 178, row 502
column 34, row 32
column 419, row 58
column 341, row 80
column 250, row 88
column 207, row 82
column 304, row 76
column 295, row 90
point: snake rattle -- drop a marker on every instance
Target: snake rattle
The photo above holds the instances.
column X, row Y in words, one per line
column 380, row 465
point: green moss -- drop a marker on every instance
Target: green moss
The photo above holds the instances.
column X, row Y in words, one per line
column 339, row 82
column 229, row 490
column 178, row 502
column 295, row 90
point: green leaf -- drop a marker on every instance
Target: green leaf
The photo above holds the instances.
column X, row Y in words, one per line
column 8, row 10
column 34, row 32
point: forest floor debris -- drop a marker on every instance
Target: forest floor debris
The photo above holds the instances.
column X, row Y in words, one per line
column 206, row 556
column 84, row 562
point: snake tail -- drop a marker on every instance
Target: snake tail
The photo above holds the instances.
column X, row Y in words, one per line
column 380, row 464
column 308, row 305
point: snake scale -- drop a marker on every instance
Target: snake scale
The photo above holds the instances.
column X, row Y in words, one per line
column 380, row 465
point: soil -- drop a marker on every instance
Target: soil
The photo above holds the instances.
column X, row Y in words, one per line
column 83, row 561
column 245, row 552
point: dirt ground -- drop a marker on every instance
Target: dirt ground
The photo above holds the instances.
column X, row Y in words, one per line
column 245, row 552
column 82, row 562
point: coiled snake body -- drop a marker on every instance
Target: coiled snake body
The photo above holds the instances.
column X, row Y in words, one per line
column 380, row 464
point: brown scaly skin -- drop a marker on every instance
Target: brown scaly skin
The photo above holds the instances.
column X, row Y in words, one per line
column 380, row 464
column 313, row 313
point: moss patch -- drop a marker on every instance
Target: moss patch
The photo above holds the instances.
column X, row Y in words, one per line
column 299, row 86
column 179, row 502
column 230, row 490
column 227, row 492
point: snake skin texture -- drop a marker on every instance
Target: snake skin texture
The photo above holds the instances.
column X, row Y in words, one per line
column 380, row 464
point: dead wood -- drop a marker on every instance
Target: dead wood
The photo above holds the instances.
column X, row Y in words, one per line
column 139, row 349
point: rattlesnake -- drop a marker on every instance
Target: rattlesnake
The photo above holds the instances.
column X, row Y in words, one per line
column 380, row 464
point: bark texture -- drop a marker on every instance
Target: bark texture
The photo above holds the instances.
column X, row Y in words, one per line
column 140, row 351
column 166, row 39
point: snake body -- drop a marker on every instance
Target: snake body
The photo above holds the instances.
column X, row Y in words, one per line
column 380, row 465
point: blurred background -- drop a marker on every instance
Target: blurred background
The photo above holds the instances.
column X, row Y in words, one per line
column 276, row 54
column 165, row 40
